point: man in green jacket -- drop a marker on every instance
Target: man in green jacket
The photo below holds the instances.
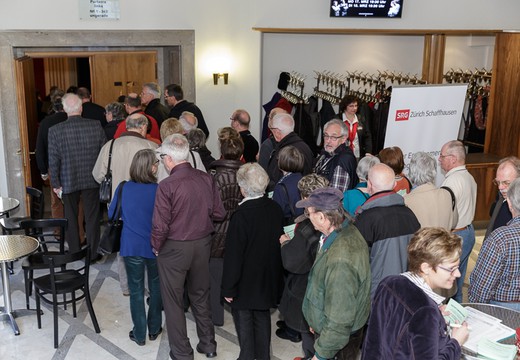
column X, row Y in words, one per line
column 337, row 300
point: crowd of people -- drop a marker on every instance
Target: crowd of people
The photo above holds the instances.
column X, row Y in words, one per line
column 373, row 256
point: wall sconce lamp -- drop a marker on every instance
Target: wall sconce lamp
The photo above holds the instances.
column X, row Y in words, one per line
column 216, row 76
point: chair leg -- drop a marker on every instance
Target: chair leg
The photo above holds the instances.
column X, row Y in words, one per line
column 91, row 311
column 38, row 311
column 28, row 287
column 55, row 311
column 74, row 303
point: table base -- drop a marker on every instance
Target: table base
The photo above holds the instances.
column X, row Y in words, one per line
column 10, row 316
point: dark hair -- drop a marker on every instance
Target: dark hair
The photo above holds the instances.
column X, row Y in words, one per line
column 175, row 90
column 141, row 168
column 72, row 89
column 83, row 93
column 290, row 159
column 346, row 101
column 393, row 157
column 231, row 148
column 133, row 101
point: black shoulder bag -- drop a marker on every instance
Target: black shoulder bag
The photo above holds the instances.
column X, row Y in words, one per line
column 105, row 188
column 110, row 241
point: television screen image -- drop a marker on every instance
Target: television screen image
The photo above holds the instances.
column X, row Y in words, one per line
column 366, row 8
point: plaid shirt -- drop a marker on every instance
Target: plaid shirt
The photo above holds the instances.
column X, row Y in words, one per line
column 74, row 146
column 497, row 272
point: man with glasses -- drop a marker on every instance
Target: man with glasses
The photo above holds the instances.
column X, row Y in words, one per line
column 337, row 162
column 151, row 100
column 507, row 171
column 453, row 162
column 495, row 277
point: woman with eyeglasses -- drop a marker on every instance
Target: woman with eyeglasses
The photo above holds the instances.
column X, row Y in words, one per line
column 406, row 320
column 137, row 203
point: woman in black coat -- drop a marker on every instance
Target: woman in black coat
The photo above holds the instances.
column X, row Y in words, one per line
column 253, row 280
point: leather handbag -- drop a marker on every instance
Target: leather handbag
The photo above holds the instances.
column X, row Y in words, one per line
column 110, row 241
column 105, row 188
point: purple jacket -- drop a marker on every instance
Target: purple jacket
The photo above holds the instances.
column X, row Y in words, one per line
column 406, row 324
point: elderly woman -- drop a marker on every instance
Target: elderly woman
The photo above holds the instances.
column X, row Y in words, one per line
column 353, row 199
column 406, row 321
column 137, row 203
column 432, row 206
column 393, row 157
column 298, row 255
column 115, row 113
column 252, row 278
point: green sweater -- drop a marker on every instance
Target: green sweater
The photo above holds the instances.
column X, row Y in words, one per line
column 337, row 300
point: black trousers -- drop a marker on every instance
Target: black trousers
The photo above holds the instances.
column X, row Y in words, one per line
column 254, row 333
column 180, row 262
column 90, row 199
column 351, row 350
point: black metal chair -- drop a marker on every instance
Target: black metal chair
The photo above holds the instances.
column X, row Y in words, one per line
column 48, row 287
column 37, row 208
column 48, row 232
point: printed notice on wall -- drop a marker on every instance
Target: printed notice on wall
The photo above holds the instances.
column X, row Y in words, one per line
column 99, row 9
column 366, row 8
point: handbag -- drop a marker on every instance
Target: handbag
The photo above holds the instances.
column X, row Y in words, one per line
column 105, row 188
column 110, row 241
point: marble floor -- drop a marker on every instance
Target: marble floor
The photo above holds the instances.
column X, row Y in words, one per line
column 78, row 341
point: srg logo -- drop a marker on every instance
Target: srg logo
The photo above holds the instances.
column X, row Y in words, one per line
column 402, row 115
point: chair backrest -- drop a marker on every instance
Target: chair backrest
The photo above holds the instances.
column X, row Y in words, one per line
column 44, row 230
column 36, row 201
column 61, row 261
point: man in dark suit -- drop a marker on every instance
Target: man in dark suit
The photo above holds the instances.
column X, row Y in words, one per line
column 74, row 146
column 90, row 109
column 240, row 121
column 151, row 99
column 174, row 96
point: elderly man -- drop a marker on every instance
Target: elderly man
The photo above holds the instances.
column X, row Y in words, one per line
column 174, row 96
column 266, row 148
column 337, row 162
column 240, row 121
column 432, row 206
column 186, row 204
column 188, row 121
column 452, row 161
column 337, row 299
column 282, row 128
column 507, row 171
column 133, row 106
column 74, row 146
column 123, row 150
column 151, row 99
column 386, row 224
column 496, row 275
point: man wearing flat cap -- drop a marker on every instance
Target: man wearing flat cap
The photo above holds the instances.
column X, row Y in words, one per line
column 337, row 300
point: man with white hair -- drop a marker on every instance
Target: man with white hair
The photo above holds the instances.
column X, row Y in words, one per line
column 74, row 146
column 452, row 160
column 282, row 128
column 337, row 162
column 151, row 99
column 496, row 275
column 386, row 224
column 186, row 204
column 188, row 121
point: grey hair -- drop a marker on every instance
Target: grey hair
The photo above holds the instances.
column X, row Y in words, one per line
column 423, row 168
column 117, row 110
column 153, row 88
column 513, row 161
column 177, row 147
column 71, row 103
column 252, row 179
column 364, row 165
column 284, row 123
column 342, row 126
column 135, row 121
column 513, row 196
column 457, row 149
column 186, row 125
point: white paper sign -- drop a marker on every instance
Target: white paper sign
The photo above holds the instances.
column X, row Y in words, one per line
column 99, row 9
column 423, row 118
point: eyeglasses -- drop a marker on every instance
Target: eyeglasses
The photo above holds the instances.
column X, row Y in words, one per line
column 443, row 156
column 331, row 137
column 156, row 162
column 451, row 271
column 163, row 155
column 506, row 183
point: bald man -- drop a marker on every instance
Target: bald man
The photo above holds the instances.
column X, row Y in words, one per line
column 386, row 224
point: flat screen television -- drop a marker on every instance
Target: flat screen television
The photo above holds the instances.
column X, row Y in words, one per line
column 366, row 8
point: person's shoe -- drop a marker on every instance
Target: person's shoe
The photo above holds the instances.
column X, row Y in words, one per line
column 132, row 337
column 281, row 324
column 208, row 355
column 152, row 337
column 283, row 334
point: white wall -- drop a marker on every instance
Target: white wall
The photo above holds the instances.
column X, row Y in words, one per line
column 226, row 26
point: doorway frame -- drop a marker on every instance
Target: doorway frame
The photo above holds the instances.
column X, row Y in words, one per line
column 171, row 45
